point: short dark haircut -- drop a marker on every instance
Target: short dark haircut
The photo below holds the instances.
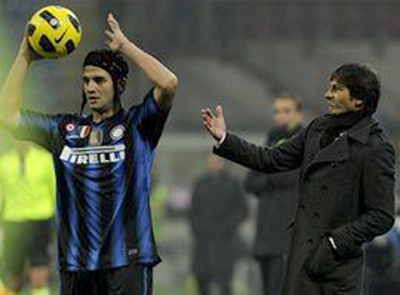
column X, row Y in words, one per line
column 113, row 63
column 362, row 82
column 298, row 103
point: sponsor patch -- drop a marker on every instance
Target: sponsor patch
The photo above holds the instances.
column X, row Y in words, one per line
column 93, row 155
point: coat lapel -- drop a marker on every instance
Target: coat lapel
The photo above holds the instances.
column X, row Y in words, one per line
column 338, row 150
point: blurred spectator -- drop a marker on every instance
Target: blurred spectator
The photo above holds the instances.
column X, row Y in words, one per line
column 218, row 206
column 27, row 207
column 383, row 263
column 158, row 198
column 277, row 195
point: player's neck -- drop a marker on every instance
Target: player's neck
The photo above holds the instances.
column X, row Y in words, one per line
column 101, row 116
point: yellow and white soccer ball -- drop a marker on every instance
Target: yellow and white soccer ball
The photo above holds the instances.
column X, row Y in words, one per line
column 54, row 31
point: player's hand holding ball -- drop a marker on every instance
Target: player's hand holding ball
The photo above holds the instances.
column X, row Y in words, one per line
column 27, row 51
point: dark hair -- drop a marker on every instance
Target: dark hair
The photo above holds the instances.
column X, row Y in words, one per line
column 362, row 82
column 112, row 62
column 298, row 103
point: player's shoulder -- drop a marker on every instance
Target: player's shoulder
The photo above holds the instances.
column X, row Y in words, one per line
column 37, row 115
column 134, row 108
column 149, row 102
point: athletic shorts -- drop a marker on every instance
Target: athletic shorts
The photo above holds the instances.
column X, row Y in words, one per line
column 134, row 279
column 27, row 242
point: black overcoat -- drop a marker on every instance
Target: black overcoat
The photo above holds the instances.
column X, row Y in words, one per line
column 346, row 192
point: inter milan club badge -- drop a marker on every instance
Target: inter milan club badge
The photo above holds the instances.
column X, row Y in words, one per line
column 96, row 137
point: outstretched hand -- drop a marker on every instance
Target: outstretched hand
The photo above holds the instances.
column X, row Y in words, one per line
column 115, row 37
column 215, row 124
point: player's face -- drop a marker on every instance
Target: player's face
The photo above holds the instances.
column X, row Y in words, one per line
column 286, row 113
column 98, row 87
column 340, row 100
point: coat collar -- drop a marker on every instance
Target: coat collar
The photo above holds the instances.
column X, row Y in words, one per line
column 338, row 150
column 361, row 131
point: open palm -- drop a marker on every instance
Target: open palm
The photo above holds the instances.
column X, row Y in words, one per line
column 115, row 37
column 215, row 124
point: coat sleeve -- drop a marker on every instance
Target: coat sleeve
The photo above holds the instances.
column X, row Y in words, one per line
column 284, row 157
column 378, row 196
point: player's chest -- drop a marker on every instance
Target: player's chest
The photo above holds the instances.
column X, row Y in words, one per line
column 86, row 144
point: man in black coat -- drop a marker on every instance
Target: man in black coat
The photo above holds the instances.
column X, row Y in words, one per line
column 277, row 194
column 217, row 209
column 346, row 183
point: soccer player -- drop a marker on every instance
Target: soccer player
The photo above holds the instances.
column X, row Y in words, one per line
column 27, row 206
column 103, row 164
column 347, row 167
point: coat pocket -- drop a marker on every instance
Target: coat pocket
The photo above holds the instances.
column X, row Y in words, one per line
column 322, row 261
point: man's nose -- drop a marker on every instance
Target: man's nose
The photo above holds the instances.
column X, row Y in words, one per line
column 91, row 86
column 328, row 95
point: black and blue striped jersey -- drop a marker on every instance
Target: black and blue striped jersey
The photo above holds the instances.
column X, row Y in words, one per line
column 103, row 175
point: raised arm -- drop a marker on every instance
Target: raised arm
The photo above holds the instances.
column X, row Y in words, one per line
column 285, row 157
column 11, row 93
column 165, row 81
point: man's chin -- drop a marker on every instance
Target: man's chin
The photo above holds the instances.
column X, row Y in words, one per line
column 95, row 108
column 334, row 111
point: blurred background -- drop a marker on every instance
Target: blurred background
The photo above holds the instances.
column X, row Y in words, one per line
column 238, row 53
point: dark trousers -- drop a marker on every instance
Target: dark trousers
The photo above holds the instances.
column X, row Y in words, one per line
column 134, row 279
column 272, row 274
column 223, row 282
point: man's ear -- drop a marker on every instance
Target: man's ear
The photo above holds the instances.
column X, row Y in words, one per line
column 121, row 85
column 358, row 104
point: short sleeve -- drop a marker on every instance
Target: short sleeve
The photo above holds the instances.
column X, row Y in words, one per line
column 149, row 118
column 39, row 128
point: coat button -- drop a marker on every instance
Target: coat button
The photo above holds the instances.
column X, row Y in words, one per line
column 316, row 215
column 310, row 241
column 324, row 188
column 301, row 206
